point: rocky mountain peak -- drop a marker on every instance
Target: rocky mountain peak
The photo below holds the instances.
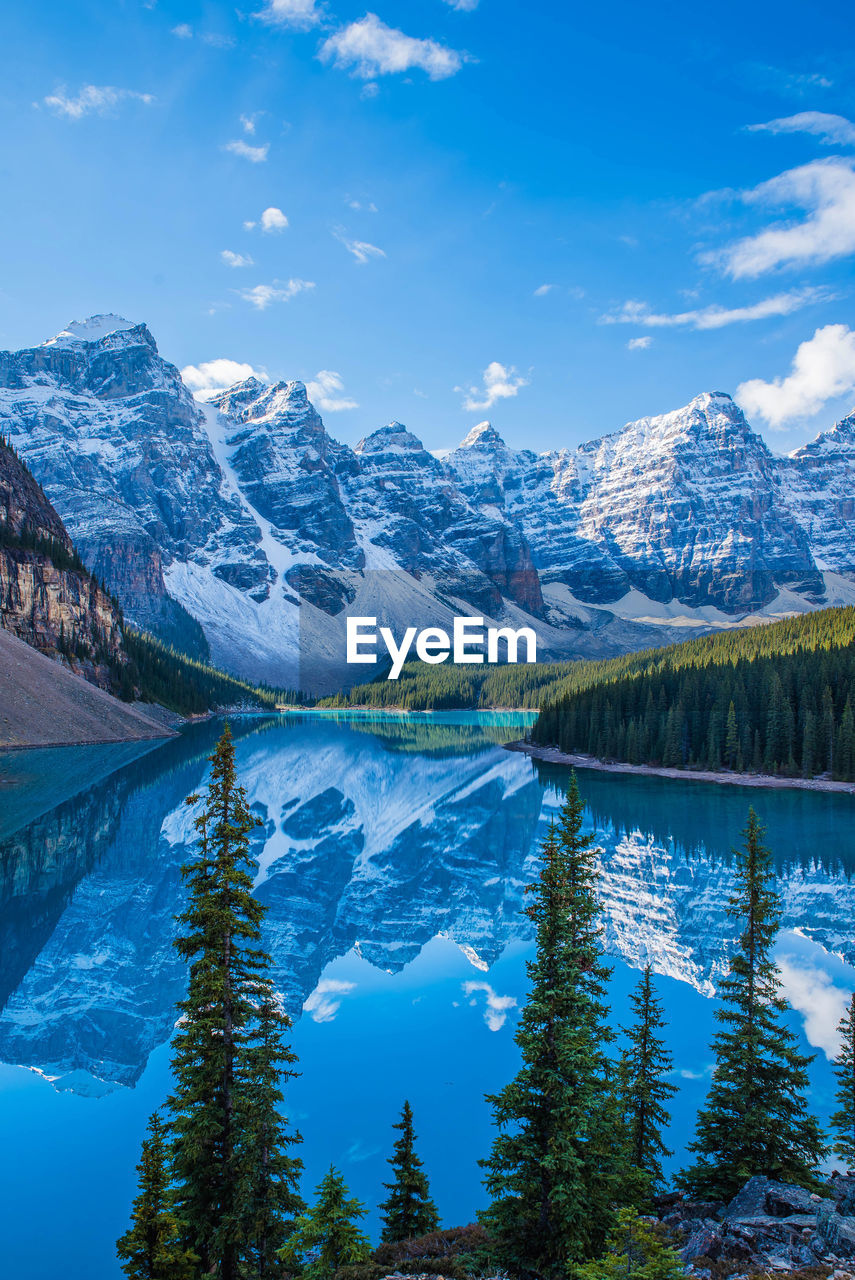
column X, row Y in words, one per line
column 393, row 436
column 482, row 436
column 91, row 330
column 839, row 440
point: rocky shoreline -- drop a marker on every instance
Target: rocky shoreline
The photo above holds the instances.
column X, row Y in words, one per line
column 551, row 755
column 768, row 1227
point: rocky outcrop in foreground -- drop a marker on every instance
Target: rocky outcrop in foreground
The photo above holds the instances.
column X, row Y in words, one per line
column 768, row 1227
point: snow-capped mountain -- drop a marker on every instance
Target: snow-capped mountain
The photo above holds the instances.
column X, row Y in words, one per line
column 242, row 527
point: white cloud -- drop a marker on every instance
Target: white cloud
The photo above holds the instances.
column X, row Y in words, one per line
column 324, row 392
column 497, row 1007
column 826, row 189
column 812, row 993
column 543, row 289
column 248, row 226
column 715, row 317
column 352, row 203
column 211, row 376
column 500, row 383
column 639, row 344
column 321, row 1004
column 792, row 84
column 248, row 122
column 462, row 6
column 830, row 129
column 255, row 155
column 183, row 31
column 236, row 259
column 369, row 90
column 261, row 295
column 823, row 368
column 273, row 219
column 361, row 249
column 93, row 99
column 372, row 49
column 299, row 14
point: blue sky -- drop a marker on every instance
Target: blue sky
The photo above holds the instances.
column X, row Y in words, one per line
column 551, row 215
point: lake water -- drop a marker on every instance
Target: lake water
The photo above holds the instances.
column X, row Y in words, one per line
column 392, row 860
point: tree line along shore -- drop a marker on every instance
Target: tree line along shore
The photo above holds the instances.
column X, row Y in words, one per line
column 775, row 700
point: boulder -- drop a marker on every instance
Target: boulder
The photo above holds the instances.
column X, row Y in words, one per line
column 704, row 1243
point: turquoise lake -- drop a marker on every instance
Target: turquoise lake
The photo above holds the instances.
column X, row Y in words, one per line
column 392, row 859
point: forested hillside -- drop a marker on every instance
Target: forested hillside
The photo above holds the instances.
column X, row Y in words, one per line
column 443, row 688
column 772, row 699
column 161, row 674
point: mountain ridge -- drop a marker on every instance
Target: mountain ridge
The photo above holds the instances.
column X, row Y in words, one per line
column 242, row 526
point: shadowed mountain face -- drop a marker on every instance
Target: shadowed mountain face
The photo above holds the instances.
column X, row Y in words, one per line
column 241, row 524
column 376, row 839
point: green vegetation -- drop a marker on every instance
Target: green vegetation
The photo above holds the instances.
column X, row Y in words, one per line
column 156, row 672
column 756, row 1119
column 558, row 1165
column 843, row 1120
column 644, row 1086
column 449, row 688
column 227, row 1176
column 328, row 1237
column 152, row 1244
column 409, row 1211
column 776, row 698
column 773, row 699
column 635, row 1250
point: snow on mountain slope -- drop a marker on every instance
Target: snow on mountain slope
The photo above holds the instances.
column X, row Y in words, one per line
column 682, row 507
column 241, row 525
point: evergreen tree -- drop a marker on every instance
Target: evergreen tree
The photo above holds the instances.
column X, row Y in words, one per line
column 731, row 738
column 151, row 1248
column 756, row 1119
column 268, row 1201
column 232, row 1174
column 409, row 1211
column 552, row 1174
column 327, row 1237
column 634, row 1251
column 843, row 1120
column 644, row 1067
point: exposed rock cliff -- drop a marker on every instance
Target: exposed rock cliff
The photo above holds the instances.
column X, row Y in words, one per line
column 47, row 597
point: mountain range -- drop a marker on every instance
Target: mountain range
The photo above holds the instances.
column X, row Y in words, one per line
column 240, row 529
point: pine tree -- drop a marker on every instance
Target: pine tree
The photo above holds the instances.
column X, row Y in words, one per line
column 552, row 1174
column 268, row 1201
column 327, row 1237
column 227, row 1048
column 843, row 1121
column 151, row 1248
column 731, row 738
column 756, row 1119
column 634, row 1251
column 644, row 1067
column 409, row 1211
